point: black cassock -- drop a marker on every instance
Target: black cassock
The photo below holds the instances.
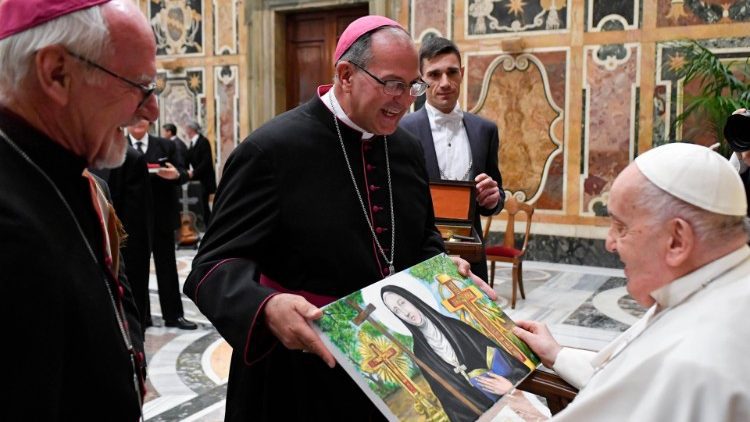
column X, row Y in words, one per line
column 286, row 207
column 71, row 362
column 470, row 347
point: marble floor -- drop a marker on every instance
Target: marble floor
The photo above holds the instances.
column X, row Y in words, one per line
column 584, row 307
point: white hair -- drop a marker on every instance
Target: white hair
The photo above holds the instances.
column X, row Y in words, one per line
column 84, row 32
column 709, row 227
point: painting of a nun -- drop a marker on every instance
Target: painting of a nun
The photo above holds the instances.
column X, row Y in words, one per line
column 474, row 365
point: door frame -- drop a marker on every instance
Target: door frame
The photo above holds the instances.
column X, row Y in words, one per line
column 266, row 42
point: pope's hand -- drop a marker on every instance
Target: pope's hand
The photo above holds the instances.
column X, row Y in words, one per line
column 538, row 337
column 288, row 317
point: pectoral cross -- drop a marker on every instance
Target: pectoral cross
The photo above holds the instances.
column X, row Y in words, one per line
column 461, row 369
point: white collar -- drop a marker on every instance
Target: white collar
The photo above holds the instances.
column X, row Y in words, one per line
column 143, row 140
column 194, row 139
column 438, row 116
column 329, row 99
column 680, row 289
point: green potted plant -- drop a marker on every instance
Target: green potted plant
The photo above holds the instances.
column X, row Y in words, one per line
column 723, row 89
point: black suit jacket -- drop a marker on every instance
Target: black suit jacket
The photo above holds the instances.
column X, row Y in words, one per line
column 201, row 158
column 131, row 196
column 484, row 141
column 182, row 149
column 165, row 192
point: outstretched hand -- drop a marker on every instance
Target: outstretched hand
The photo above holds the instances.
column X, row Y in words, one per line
column 288, row 316
column 464, row 268
column 494, row 383
column 169, row 172
column 539, row 338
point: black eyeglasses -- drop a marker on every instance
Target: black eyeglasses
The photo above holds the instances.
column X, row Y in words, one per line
column 146, row 90
column 396, row 88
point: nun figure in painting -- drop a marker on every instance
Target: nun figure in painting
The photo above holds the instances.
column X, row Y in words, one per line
column 474, row 365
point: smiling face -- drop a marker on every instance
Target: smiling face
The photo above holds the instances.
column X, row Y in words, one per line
column 444, row 73
column 403, row 309
column 393, row 58
column 637, row 237
column 109, row 105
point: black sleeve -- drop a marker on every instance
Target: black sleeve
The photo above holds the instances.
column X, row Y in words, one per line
column 223, row 282
column 493, row 170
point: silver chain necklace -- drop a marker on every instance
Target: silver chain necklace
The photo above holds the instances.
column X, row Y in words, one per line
column 391, row 268
column 465, row 176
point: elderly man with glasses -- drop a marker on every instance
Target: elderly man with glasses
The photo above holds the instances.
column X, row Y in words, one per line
column 73, row 74
column 319, row 202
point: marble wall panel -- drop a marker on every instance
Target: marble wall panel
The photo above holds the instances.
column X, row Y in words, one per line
column 225, row 27
column 516, row 93
column 431, row 17
column 701, row 12
column 181, row 98
column 612, row 15
column 178, row 26
column 227, row 99
column 670, row 91
column 532, row 168
column 491, row 17
column 563, row 249
column 611, row 79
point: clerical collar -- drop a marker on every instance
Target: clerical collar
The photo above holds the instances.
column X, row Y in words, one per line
column 677, row 291
column 144, row 140
column 329, row 99
column 440, row 118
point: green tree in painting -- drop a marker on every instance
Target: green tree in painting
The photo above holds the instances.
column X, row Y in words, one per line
column 427, row 270
column 337, row 323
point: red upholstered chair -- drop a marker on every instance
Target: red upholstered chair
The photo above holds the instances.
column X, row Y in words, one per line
column 507, row 251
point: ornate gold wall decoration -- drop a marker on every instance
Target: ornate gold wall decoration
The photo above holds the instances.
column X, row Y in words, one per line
column 177, row 26
column 516, row 95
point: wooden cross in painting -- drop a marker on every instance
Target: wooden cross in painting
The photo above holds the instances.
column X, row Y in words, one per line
column 465, row 299
column 382, row 356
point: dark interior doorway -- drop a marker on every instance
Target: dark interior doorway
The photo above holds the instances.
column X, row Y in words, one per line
column 311, row 39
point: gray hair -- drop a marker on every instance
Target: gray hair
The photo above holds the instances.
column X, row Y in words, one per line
column 85, row 32
column 194, row 125
column 708, row 227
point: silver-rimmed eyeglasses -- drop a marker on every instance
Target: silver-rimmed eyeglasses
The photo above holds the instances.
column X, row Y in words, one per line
column 146, row 90
column 396, row 88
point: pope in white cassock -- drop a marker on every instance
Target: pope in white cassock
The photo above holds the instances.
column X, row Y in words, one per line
column 679, row 225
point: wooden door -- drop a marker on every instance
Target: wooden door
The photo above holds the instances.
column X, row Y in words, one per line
column 311, row 39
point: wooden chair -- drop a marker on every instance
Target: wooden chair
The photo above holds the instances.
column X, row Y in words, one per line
column 549, row 385
column 507, row 251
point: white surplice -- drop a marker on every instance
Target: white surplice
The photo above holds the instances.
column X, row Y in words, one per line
column 686, row 362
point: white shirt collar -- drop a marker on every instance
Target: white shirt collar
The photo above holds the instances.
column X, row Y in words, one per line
column 329, row 99
column 437, row 117
column 144, row 140
column 194, row 139
column 679, row 290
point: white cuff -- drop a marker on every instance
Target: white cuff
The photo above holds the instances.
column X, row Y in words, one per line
column 574, row 366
